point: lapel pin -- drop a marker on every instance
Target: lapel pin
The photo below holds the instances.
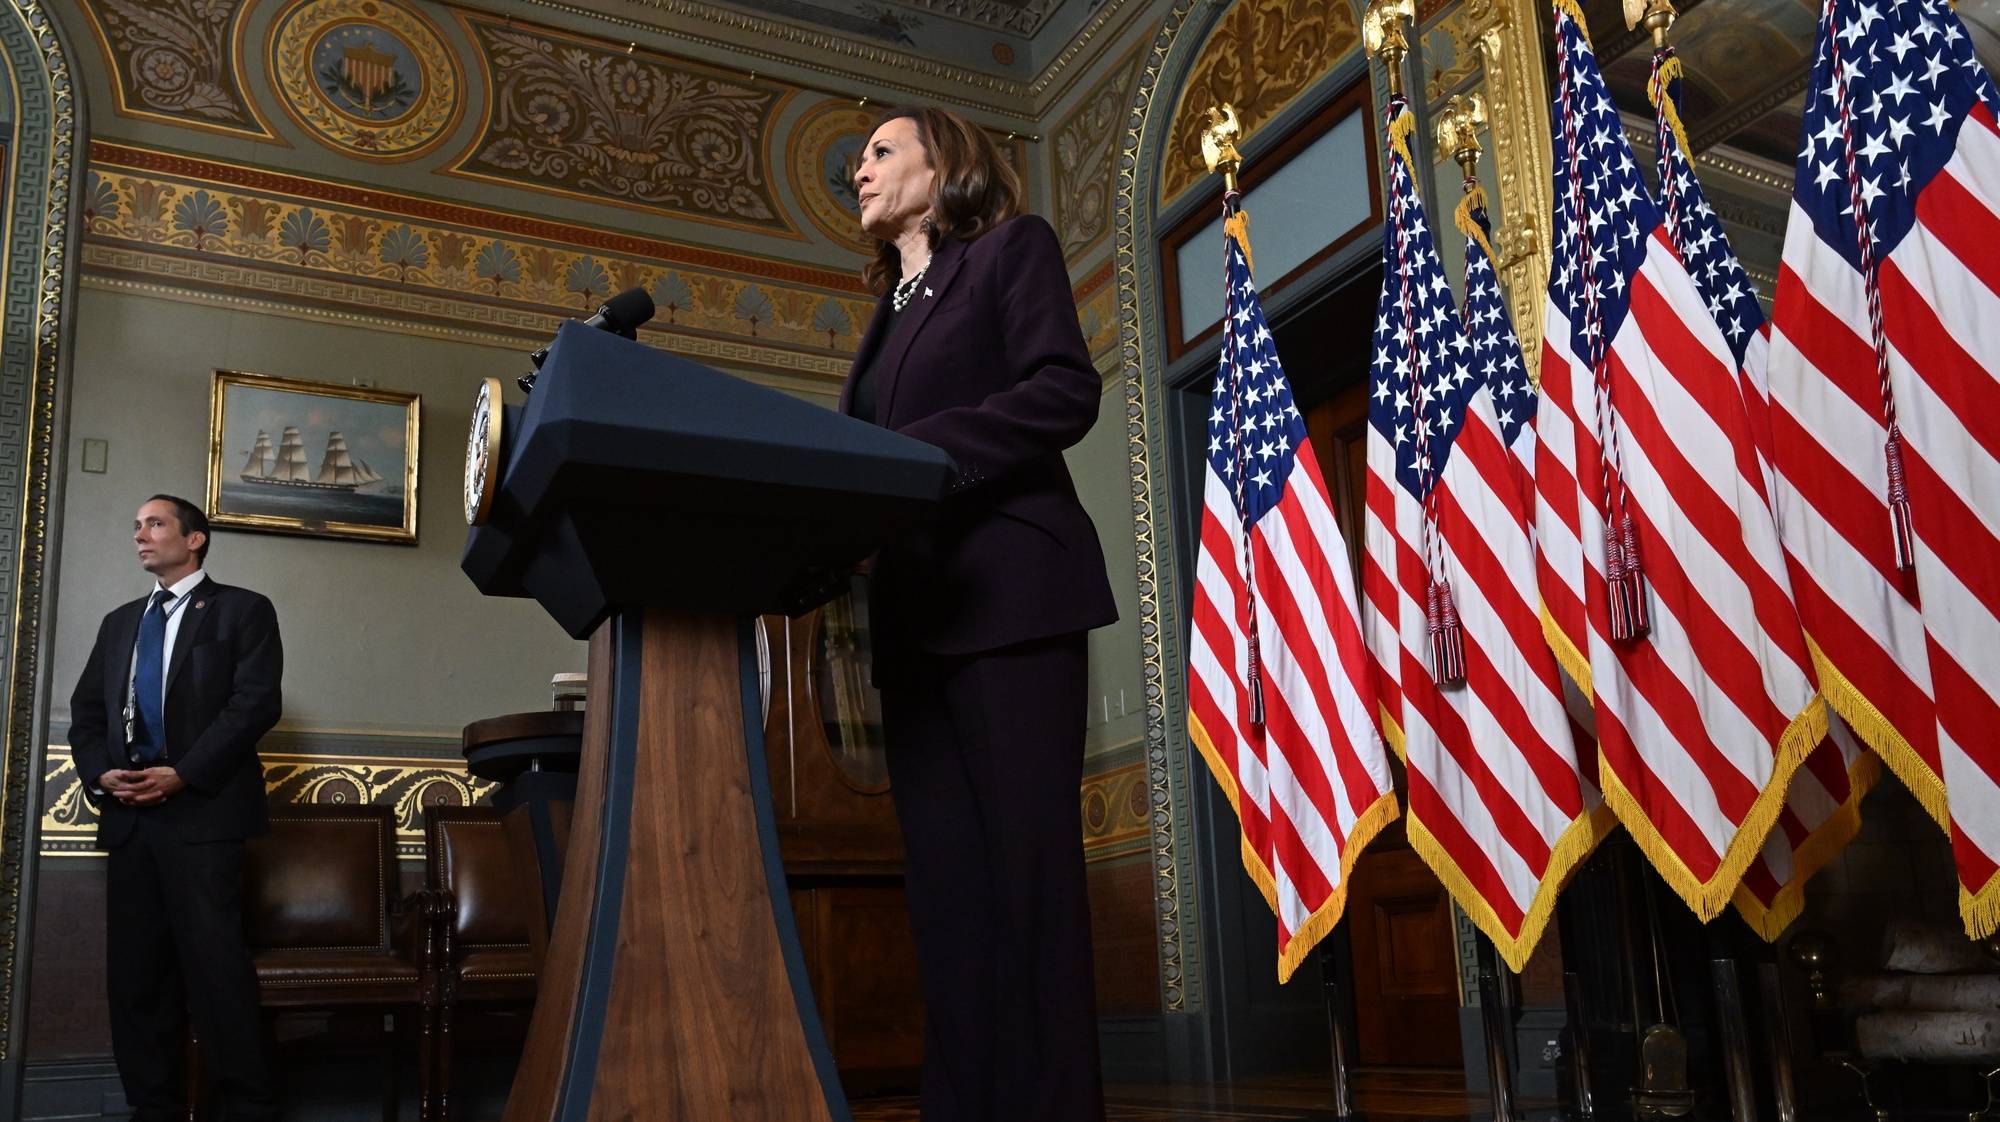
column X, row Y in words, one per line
column 200, row 604
column 927, row 292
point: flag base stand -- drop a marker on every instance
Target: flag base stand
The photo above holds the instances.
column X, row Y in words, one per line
column 1495, row 1015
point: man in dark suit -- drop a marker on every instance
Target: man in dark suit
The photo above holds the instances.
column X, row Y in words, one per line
column 165, row 720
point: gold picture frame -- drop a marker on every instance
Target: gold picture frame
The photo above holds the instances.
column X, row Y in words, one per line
column 287, row 456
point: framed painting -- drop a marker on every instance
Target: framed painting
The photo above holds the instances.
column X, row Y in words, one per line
column 294, row 457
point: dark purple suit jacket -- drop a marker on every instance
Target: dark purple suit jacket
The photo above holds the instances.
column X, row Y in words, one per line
column 988, row 363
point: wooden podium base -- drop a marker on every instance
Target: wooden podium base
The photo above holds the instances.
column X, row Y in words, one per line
column 674, row 987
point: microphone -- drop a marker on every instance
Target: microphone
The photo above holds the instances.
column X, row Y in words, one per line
column 621, row 315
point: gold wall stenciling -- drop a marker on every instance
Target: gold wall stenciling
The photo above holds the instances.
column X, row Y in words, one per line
column 577, row 117
column 1260, row 57
column 821, row 154
column 225, row 227
column 1097, row 313
column 406, row 783
column 1117, row 813
column 178, row 61
column 368, row 78
column 1084, row 143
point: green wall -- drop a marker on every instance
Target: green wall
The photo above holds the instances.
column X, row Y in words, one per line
column 379, row 638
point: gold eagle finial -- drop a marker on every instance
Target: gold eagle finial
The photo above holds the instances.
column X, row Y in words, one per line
column 1218, row 143
column 1655, row 15
column 1382, row 33
column 1458, row 125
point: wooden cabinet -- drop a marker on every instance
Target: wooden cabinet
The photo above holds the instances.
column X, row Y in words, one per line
column 842, row 850
column 1405, row 962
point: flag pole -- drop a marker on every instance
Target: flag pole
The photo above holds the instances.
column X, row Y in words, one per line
column 1382, row 34
column 1457, row 131
column 1657, row 17
column 1218, row 151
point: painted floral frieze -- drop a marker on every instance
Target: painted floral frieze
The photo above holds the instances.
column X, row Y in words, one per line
column 499, row 260
column 577, row 117
column 176, row 60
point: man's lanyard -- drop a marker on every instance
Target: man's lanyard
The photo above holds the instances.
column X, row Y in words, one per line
column 132, row 670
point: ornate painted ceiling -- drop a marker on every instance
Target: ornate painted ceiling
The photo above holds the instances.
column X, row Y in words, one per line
column 1747, row 62
column 1006, row 38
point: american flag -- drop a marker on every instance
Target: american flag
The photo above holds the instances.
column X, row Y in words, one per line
column 1278, row 677
column 1886, row 409
column 1658, row 560
column 1496, row 350
column 1823, row 806
column 1497, row 805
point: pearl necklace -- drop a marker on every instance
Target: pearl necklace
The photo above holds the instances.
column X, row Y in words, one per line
column 906, row 289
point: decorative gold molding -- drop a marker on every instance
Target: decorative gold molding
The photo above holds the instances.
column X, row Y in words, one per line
column 293, row 42
column 1722, row 160
column 1260, row 57
column 406, row 783
column 1061, row 64
column 1147, row 126
column 39, row 286
column 1505, row 35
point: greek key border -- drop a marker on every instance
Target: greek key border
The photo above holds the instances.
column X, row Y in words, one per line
column 1146, row 441
column 37, row 255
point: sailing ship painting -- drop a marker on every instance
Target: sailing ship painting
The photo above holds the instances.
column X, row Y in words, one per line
column 338, row 470
column 312, row 458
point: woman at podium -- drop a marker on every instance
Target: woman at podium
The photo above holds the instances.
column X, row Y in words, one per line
column 979, row 618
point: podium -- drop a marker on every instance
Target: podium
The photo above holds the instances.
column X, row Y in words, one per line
column 656, row 507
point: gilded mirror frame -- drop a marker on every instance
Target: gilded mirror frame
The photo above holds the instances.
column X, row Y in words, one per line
column 38, row 243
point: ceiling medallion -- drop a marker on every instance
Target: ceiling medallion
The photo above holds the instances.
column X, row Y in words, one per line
column 371, row 78
column 824, row 147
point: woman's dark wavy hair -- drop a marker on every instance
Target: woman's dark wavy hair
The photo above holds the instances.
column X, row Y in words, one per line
column 974, row 191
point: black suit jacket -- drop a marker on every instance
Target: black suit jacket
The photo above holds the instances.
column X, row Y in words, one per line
column 988, row 363
column 222, row 697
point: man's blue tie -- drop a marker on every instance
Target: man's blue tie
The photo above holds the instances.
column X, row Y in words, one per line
column 149, row 733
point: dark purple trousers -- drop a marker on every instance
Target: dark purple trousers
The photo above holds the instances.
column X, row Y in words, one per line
column 986, row 761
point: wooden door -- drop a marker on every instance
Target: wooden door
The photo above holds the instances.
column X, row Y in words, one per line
column 1400, row 928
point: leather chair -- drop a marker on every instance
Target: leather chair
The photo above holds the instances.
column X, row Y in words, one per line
column 327, row 928
column 485, row 918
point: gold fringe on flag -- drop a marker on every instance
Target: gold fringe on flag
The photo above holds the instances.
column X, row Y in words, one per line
column 1819, row 850
column 1367, row 824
